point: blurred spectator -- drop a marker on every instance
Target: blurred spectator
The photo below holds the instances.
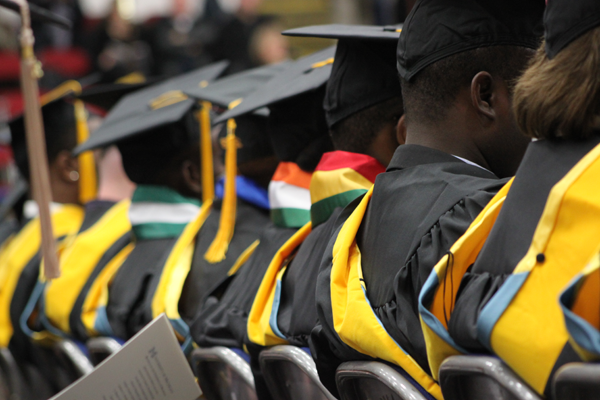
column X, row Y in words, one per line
column 247, row 39
column 52, row 36
column 174, row 41
column 9, row 26
column 116, row 47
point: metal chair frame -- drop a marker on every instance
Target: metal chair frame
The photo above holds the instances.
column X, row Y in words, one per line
column 222, row 374
column 12, row 379
column 366, row 380
column 73, row 358
column 470, row 377
column 100, row 348
column 577, row 381
column 285, row 368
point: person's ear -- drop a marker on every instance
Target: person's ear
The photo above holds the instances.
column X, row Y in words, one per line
column 192, row 177
column 66, row 167
column 401, row 130
column 482, row 95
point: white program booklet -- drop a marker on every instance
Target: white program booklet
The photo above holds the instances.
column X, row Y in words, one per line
column 150, row 366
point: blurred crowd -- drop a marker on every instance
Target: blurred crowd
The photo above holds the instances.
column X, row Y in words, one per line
column 132, row 42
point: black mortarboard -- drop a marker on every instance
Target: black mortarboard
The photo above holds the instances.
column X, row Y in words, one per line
column 235, row 87
column 565, row 21
column 295, row 98
column 150, row 108
column 107, row 95
column 436, row 29
column 303, row 75
column 364, row 68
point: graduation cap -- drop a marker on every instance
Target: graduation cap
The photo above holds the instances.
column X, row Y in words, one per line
column 297, row 77
column 364, row 68
column 105, row 96
column 436, row 29
column 566, row 21
column 155, row 106
column 231, row 90
column 295, row 98
column 58, row 106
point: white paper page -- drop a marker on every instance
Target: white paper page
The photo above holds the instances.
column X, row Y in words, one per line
column 150, row 366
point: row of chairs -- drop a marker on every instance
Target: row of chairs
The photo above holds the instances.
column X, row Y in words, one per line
column 290, row 372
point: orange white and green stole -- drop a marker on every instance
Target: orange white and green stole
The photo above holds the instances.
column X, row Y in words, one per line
column 289, row 196
column 339, row 178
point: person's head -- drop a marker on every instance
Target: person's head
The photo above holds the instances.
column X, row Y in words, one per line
column 372, row 131
column 466, row 100
column 267, row 45
column 559, row 94
column 255, row 158
column 298, row 129
column 363, row 102
column 61, row 138
column 458, row 63
column 168, row 155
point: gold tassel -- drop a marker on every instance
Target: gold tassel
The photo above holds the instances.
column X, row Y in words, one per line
column 206, row 155
column 218, row 248
column 88, row 181
column 88, row 185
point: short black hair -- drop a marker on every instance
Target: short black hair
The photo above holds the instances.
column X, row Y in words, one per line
column 60, row 133
column 154, row 156
column 429, row 94
column 356, row 132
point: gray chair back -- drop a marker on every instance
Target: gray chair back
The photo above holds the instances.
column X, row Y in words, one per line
column 482, row 377
column 291, row 374
column 371, row 380
column 72, row 359
column 222, row 374
column 577, row 381
column 100, row 348
column 11, row 380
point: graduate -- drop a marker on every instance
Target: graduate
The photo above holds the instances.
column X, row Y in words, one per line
column 542, row 231
column 54, row 309
column 461, row 140
column 298, row 132
column 362, row 106
column 241, row 209
column 20, row 259
column 157, row 133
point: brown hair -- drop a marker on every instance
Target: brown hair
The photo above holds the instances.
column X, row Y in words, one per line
column 561, row 97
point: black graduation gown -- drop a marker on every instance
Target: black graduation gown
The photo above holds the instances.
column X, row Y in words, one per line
column 8, row 226
column 423, row 203
column 545, row 163
column 204, row 277
column 222, row 321
column 297, row 313
column 94, row 210
column 20, row 345
column 132, row 291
